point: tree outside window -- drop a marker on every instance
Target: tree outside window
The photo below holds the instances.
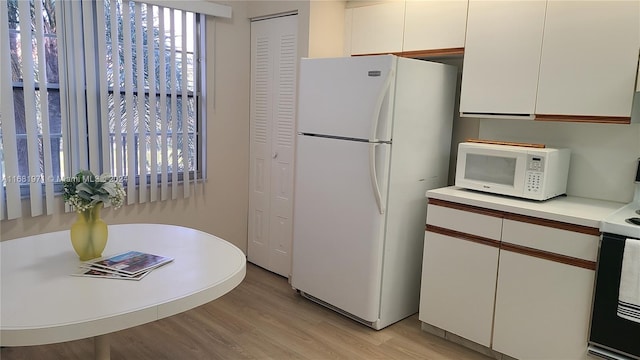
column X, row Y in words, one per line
column 161, row 98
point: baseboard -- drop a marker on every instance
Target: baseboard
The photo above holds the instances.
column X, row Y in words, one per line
column 434, row 330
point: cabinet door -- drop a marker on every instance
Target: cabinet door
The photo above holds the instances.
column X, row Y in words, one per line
column 434, row 24
column 589, row 58
column 542, row 308
column 458, row 286
column 502, row 57
column 377, row 29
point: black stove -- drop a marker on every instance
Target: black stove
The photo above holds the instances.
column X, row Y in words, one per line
column 611, row 336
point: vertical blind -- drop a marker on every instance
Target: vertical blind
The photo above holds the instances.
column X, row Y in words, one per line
column 8, row 129
column 111, row 86
column 151, row 88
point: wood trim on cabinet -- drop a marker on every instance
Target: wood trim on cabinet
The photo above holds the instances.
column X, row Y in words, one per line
column 553, row 224
column 384, row 53
column 510, row 143
column 563, row 259
column 463, row 207
column 421, row 54
column 418, row 54
column 581, row 118
column 463, row 236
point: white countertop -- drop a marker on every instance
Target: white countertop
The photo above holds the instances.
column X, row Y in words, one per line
column 568, row 209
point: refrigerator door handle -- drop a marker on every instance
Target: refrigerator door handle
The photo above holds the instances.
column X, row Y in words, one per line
column 374, row 177
column 378, row 106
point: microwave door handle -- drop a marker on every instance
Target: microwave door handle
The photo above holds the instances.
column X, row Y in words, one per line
column 378, row 106
column 374, row 177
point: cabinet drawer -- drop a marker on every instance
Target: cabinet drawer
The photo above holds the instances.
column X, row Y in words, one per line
column 549, row 239
column 477, row 224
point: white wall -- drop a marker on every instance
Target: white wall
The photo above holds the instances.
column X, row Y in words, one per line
column 603, row 156
column 463, row 127
column 326, row 28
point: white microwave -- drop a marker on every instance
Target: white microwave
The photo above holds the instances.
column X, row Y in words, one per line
column 526, row 172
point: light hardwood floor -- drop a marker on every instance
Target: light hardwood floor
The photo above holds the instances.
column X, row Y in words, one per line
column 263, row 318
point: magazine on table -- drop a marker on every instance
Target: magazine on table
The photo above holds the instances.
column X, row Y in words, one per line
column 102, row 273
column 129, row 263
column 102, row 270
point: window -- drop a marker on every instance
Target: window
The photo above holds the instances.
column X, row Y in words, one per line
column 112, row 86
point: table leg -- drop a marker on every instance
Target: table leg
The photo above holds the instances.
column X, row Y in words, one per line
column 102, row 348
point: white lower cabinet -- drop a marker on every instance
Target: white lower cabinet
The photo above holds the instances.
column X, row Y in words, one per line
column 459, row 267
column 544, row 292
column 517, row 285
column 542, row 308
column 460, row 298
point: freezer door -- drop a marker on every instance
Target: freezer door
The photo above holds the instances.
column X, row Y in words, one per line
column 338, row 230
column 347, row 97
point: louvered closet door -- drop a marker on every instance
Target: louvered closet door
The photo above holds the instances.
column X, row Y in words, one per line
column 273, row 102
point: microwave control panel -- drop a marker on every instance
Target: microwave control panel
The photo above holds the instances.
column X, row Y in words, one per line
column 534, row 174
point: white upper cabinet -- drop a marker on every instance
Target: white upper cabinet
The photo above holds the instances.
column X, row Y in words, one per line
column 377, row 28
column 555, row 59
column 434, row 24
column 502, row 57
column 589, row 58
column 396, row 26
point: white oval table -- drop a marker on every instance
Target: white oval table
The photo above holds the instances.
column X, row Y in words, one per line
column 40, row 303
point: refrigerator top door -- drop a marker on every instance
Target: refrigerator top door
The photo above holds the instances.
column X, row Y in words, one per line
column 338, row 232
column 349, row 97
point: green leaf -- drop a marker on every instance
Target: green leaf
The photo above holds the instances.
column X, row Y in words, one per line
column 110, row 188
column 84, row 195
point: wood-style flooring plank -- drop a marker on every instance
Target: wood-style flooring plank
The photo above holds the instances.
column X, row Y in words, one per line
column 263, row 318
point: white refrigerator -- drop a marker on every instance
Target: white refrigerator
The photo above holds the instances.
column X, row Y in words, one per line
column 374, row 133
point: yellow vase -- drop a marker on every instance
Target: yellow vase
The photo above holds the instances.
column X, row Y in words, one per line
column 89, row 234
